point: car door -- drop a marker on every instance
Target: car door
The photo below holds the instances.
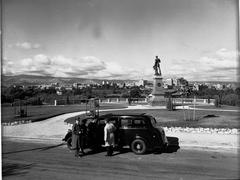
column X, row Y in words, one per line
column 101, row 125
column 124, row 130
column 100, row 131
column 135, row 127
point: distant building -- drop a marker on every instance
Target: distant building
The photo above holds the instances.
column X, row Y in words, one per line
column 45, row 86
column 141, row 82
column 59, row 92
column 229, row 86
column 219, row 86
column 68, row 88
column 130, row 84
column 174, row 81
column 121, row 85
column 76, row 85
column 196, row 87
column 169, row 82
column 56, row 84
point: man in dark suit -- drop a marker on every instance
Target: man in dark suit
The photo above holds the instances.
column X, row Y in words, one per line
column 78, row 136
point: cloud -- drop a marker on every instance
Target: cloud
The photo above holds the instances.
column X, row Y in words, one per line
column 7, row 66
column 25, row 45
column 222, row 65
column 226, row 54
column 61, row 66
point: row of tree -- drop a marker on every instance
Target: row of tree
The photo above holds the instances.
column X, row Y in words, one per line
column 36, row 96
column 40, row 96
column 226, row 97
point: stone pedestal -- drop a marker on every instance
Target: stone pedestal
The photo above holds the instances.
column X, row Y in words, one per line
column 158, row 92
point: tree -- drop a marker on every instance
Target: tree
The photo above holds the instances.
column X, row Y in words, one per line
column 237, row 91
column 135, row 92
column 230, row 99
column 217, row 101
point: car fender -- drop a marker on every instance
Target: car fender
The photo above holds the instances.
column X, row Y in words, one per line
column 68, row 135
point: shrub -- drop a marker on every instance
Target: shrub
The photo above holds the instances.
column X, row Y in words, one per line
column 230, row 99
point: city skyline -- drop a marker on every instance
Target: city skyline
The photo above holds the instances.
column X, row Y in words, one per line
column 115, row 39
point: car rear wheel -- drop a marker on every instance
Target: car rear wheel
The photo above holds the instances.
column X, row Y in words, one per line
column 138, row 146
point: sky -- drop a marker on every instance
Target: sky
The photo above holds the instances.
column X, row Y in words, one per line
column 119, row 39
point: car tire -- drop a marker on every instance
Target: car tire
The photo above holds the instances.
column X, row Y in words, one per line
column 69, row 143
column 138, row 146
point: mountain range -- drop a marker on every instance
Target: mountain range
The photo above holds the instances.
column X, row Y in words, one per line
column 28, row 80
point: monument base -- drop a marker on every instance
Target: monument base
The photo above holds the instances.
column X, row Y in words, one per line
column 157, row 100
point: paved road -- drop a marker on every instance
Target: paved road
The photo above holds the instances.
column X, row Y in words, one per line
column 27, row 160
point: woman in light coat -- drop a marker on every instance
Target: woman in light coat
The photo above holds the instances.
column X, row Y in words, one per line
column 109, row 138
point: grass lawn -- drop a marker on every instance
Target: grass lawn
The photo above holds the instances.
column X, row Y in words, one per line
column 38, row 113
column 207, row 119
column 177, row 118
column 222, row 107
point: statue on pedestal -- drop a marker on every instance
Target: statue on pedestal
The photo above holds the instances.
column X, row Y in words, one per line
column 156, row 66
column 158, row 92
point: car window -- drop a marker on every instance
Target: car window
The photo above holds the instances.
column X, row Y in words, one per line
column 133, row 122
column 112, row 120
column 126, row 122
column 138, row 123
column 153, row 121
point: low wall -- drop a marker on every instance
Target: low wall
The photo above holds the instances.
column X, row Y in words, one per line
column 137, row 101
column 200, row 130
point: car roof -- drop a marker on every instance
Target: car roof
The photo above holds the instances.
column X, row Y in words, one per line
column 126, row 114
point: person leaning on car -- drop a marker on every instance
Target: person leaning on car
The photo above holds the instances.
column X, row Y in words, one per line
column 109, row 139
column 78, row 136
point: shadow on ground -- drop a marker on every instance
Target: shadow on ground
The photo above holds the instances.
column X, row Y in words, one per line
column 15, row 169
column 34, row 149
column 171, row 148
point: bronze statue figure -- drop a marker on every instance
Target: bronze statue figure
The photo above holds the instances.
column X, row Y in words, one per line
column 156, row 66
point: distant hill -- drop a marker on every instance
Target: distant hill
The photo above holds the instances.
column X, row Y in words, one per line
column 28, row 80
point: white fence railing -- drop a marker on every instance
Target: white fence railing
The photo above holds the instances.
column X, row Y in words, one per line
column 138, row 101
column 193, row 101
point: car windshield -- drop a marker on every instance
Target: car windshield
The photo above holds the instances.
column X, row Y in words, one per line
column 153, row 121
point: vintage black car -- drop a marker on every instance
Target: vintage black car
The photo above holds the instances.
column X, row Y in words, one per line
column 138, row 131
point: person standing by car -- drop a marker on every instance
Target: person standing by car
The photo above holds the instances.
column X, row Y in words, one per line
column 109, row 138
column 78, row 133
column 92, row 133
column 83, row 135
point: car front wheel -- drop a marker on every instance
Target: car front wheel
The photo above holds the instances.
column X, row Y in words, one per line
column 138, row 146
column 69, row 143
